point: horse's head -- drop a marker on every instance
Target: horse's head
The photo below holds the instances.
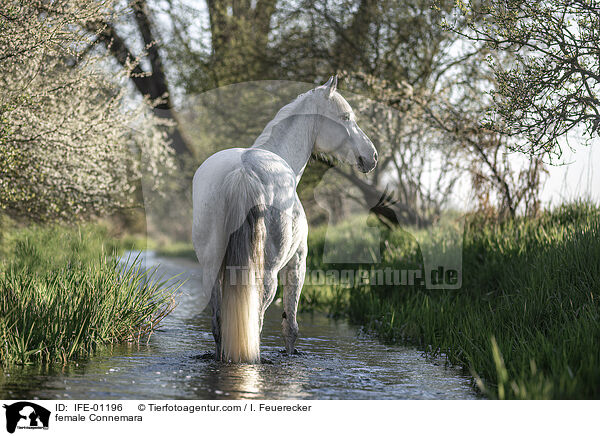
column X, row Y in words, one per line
column 338, row 134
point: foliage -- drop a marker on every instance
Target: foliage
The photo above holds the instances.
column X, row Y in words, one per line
column 69, row 145
column 552, row 87
column 426, row 122
column 420, row 128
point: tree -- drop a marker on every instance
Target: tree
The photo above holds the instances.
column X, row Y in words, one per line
column 389, row 43
column 152, row 82
column 440, row 128
column 67, row 144
column 313, row 38
column 232, row 49
column 553, row 84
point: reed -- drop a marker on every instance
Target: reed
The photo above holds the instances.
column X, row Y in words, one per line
column 64, row 292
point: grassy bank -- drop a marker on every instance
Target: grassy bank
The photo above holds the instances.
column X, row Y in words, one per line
column 526, row 322
column 63, row 293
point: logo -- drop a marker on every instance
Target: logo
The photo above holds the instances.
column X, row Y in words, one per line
column 26, row 415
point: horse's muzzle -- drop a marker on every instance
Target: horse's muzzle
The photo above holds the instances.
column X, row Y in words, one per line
column 367, row 165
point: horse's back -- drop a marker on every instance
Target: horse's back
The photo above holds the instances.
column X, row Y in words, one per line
column 272, row 173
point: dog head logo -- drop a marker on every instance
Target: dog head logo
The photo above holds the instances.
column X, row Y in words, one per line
column 26, row 415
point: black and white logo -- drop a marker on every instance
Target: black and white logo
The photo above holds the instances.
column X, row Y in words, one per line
column 26, row 415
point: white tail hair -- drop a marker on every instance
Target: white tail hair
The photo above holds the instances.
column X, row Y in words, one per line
column 243, row 267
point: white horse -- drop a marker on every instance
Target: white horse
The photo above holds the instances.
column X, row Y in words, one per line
column 249, row 223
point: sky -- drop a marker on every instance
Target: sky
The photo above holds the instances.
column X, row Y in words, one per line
column 577, row 176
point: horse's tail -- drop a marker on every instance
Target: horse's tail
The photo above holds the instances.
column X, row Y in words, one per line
column 243, row 266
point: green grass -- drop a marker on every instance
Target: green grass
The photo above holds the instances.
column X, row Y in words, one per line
column 526, row 322
column 63, row 293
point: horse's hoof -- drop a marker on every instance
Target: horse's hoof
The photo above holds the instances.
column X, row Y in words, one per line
column 294, row 353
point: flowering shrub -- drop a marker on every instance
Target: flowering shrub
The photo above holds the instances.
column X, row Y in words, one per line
column 71, row 143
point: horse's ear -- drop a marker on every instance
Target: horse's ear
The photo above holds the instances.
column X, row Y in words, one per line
column 331, row 86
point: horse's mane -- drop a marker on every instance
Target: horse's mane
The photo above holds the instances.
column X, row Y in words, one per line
column 288, row 110
column 296, row 107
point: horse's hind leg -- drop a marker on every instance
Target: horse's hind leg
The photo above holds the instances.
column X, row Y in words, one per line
column 293, row 280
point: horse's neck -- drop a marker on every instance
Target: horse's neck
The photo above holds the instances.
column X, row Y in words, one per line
column 293, row 140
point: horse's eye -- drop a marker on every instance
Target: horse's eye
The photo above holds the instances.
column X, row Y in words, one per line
column 346, row 117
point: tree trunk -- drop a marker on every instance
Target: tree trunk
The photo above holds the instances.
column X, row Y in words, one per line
column 151, row 84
